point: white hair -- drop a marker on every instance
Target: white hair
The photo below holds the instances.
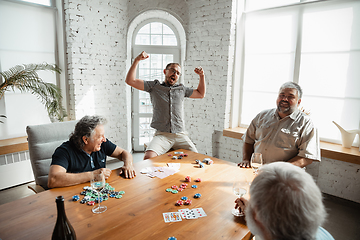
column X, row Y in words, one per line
column 287, row 202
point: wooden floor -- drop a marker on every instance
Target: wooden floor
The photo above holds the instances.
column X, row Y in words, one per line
column 343, row 215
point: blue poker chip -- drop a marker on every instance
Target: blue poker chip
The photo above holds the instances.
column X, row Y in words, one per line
column 75, row 198
column 197, row 195
column 172, row 238
column 184, row 198
column 194, row 186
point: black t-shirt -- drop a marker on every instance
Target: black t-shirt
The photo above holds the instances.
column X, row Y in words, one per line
column 75, row 160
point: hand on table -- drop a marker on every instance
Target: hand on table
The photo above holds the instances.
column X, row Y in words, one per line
column 128, row 170
column 244, row 164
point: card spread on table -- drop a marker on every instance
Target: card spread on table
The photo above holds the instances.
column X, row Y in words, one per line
column 199, row 212
column 160, row 172
column 172, row 217
column 182, row 212
column 192, row 213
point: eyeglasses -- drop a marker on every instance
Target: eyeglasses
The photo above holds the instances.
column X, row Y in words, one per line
column 174, row 71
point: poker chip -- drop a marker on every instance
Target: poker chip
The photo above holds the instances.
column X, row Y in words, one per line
column 91, row 203
column 118, row 196
column 187, row 202
column 194, row 186
column 180, row 189
column 174, row 191
column 197, row 195
column 184, row 198
column 172, row 238
column 183, row 185
column 188, row 179
column 198, row 180
column 174, row 157
column 179, row 203
column 75, row 198
column 174, row 187
column 168, row 190
column 122, row 192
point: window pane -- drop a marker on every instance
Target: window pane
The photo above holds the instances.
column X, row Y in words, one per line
column 169, row 40
column 142, row 39
column 144, row 102
column 156, row 61
column 167, row 58
column 146, row 132
column 145, row 29
column 156, row 28
column 167, row 30
column 331, row 29
column 339, row 73
column 156, row 40
column 271, row 33
column 144, row 74
column 254, row 102
column 345, row 112
column 275, row 70
column 259, row 4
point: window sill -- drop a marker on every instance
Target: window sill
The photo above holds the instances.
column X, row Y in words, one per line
column 13, row 145
column 328, row 150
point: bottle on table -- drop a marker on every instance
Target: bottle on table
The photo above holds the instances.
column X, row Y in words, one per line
column 63, row 229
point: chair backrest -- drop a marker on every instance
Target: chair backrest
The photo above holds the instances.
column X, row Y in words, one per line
column 42, row 141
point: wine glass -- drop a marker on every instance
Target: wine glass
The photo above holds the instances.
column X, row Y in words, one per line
column 239, row 190
column 97, row 184
column 256, row 162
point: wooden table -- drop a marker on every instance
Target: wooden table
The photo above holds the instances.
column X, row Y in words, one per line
column 138, row 215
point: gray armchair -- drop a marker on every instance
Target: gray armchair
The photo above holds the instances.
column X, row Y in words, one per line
column 42, row 141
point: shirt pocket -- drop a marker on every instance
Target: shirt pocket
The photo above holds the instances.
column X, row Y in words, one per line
column 286, row 139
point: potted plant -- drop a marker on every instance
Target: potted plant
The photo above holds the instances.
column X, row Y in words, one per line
column 25, row 78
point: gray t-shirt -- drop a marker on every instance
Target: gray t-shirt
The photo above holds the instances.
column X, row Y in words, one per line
column 282, row 139
column 168, row 105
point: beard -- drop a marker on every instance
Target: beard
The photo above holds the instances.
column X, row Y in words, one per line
column 251, row 224
column 285, row 109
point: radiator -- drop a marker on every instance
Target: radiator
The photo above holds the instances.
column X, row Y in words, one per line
column 15, row 169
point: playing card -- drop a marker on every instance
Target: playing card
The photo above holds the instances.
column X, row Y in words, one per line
column 190, row 214
column 172, row 217
column 182, row 212
column 199, row 212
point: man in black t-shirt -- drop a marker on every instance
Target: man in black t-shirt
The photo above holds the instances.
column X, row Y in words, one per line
column 75, row 160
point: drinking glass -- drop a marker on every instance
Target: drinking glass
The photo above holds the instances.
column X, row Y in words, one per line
column 97, row 184
column 256, row 161
column 239, row 190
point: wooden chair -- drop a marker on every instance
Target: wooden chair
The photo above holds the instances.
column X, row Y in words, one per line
column 43, row 140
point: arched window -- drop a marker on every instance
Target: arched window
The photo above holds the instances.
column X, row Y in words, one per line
column 161, row 40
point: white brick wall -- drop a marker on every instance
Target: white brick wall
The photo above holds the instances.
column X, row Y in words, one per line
column 96, row 33
column 209, row 45
column 96, row 50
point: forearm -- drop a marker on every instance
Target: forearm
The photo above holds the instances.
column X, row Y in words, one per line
column 300, row 161
column 63, row 179
column 127, row 158
column 131, row 75
column 248, row 150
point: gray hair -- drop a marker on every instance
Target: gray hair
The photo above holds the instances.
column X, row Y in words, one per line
column 287, row 201
column 292, row 85
column 85, row 127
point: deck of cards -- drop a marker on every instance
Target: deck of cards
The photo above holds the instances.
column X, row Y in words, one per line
column 184, row 213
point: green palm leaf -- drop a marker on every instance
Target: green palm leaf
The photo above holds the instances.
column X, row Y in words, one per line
column 25, row 78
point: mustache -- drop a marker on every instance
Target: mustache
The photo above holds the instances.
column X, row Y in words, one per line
column 283, row 102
